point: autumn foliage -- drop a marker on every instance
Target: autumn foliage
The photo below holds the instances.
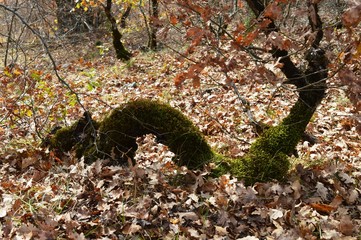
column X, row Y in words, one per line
column 236, row 69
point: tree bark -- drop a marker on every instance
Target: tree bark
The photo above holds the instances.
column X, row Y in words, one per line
column 153, row 25
column 124, row 17
column 120, row 50
column 267, row 158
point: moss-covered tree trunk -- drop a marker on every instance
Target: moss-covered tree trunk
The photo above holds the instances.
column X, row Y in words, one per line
column 268, row 155
column 120, row 50
column 267, row 158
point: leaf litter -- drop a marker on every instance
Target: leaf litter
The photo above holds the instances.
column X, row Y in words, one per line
column 46, row 198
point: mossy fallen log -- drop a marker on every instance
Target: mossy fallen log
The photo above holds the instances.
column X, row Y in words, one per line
column 115, row 136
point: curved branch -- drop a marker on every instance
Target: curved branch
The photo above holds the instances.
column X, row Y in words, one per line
column 125, row 15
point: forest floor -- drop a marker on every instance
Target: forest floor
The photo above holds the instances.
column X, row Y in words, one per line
column 46, row 197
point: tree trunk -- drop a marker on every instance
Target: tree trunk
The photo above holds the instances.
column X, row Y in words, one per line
column 153, row 25
column 267, row 158
column 120, row 50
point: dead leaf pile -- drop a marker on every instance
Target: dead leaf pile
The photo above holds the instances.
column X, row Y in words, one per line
column 44, row 196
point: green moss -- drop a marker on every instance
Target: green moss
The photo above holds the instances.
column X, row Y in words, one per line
column 116, row 139
column 63, row 139
column 118, row 132
column 222, row 165
column 268, row 156
column 79, row 136
column 259, row 167
column 86, row 139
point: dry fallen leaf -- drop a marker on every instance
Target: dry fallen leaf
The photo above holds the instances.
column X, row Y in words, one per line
column 322, row 208
column 131, row 228
column 346, row 226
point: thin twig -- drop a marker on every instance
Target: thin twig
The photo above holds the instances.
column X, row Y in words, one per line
column 43, row 42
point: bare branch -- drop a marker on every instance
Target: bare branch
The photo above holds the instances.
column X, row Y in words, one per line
column 45, row 45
